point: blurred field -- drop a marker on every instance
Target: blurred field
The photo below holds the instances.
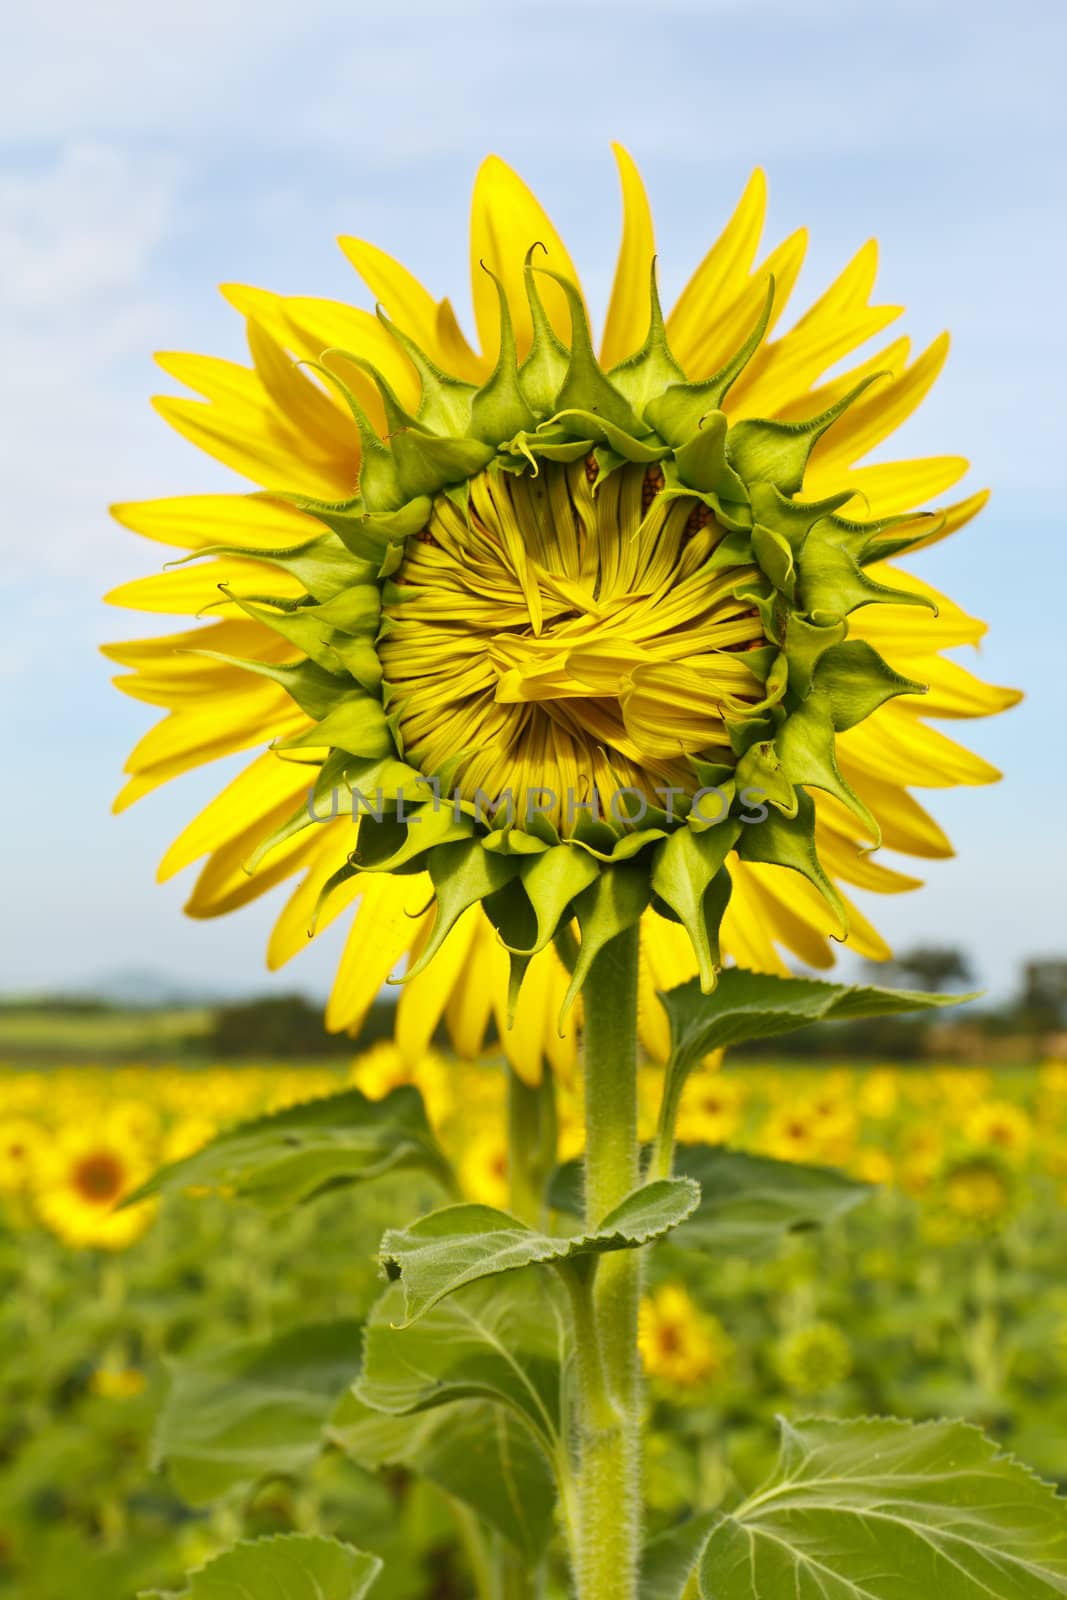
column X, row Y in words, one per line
column 945, row 1294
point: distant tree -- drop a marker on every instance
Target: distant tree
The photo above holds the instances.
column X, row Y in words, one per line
column 283, row 1026
column 930, row 967
column 1044, row 996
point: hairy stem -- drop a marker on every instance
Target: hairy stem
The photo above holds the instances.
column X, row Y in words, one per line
column 606, row 1312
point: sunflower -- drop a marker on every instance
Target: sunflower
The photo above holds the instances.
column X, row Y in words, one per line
column 81, row 1180
column 538, row 636
column 681, row 1345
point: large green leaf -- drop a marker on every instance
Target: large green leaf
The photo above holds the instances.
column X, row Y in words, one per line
column 475, row 1450
column 254, row 1409
column 505, row 1342
column 280, row 1160
column 755, row 1005
column 748, row 1204
column 671, row 1559
column 461, row 1244
column 288, row 1566
column 886, row 1510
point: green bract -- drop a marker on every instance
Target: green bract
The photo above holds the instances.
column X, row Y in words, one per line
column 802, row 568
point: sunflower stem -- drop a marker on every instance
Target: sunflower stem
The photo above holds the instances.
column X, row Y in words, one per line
column 606, row 1304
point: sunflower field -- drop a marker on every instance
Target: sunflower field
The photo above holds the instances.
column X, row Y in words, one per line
column 182, row 1373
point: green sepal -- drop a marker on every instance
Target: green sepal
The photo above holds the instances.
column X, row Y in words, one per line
column 775, row 556
column 780, row 841
column 807, row 749
column 686, row 872
column 806, row 641
column 761, row 768
column 793, row 519
column 445, row 401
column 613, row 902
column 379, row 485
column 322, row 564
column 369, row 535
column 356, row 610
column 404, row 838
column 651, row 369
column 500, row 410
column 831, row 578
column 764, row 451
column 543, row 372
column 856, row 681
column 313, row 689
column 585, row 386
column 622, row 444
column 298, row 625
column 679, row 410
column 702, row 462
column 528, row 447
column 462, row 874
column 551, row 881
column 357, row 724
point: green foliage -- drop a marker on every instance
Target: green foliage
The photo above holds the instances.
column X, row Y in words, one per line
column 290, row 1566
column 750, row 1204
column 462, row 1244
column 255, row 1409
column 755, row 1005
column 476, row 1451
column 273, row 1026
column 294, row 1155
column 885, row 1510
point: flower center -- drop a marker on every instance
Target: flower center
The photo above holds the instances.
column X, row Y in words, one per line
column 98, row 1177
column 573, row 645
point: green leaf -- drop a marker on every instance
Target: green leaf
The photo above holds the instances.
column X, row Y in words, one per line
column 754, row 1005
column 462, row 1244
column 749, row 1204
column 475, row 1450
column 671, row 1559
column 505, row 1342
column 281, row 1160
column 254, row 1409
column 878, row 1509
column 285, row 1566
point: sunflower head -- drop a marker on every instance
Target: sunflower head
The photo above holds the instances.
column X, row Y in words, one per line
column 580, row 636
column 573, row 637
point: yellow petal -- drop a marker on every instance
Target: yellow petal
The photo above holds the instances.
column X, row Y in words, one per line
column 292, row 931
column 192, row 520
column 888, row 488
column 193, row 588
column 721, row 275
column 223, row 883
column 423, row 999
column 267, row 784
column 877, row 413
column 731, row 325
column 896, row 746
column 745, row 934
column 628, row 309
column 262, row 449
column 385, row 925
column 905, row 825
column 506, row 220
column 952, row 691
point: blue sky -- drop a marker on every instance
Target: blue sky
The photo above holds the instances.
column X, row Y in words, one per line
column 146, row 157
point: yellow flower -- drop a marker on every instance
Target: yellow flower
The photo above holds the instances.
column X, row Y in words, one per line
column 117, row 1383
column 573, row 578
column 872, row 1165
column 22, row 1142
column 384, row 1067
column 84, row 1176
column 483, row 1167
column 1002, row 1126
column 711, row 1108
column 186, row 1137
column 973, row 1194
column 792, row 1134
column 681, row 1345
